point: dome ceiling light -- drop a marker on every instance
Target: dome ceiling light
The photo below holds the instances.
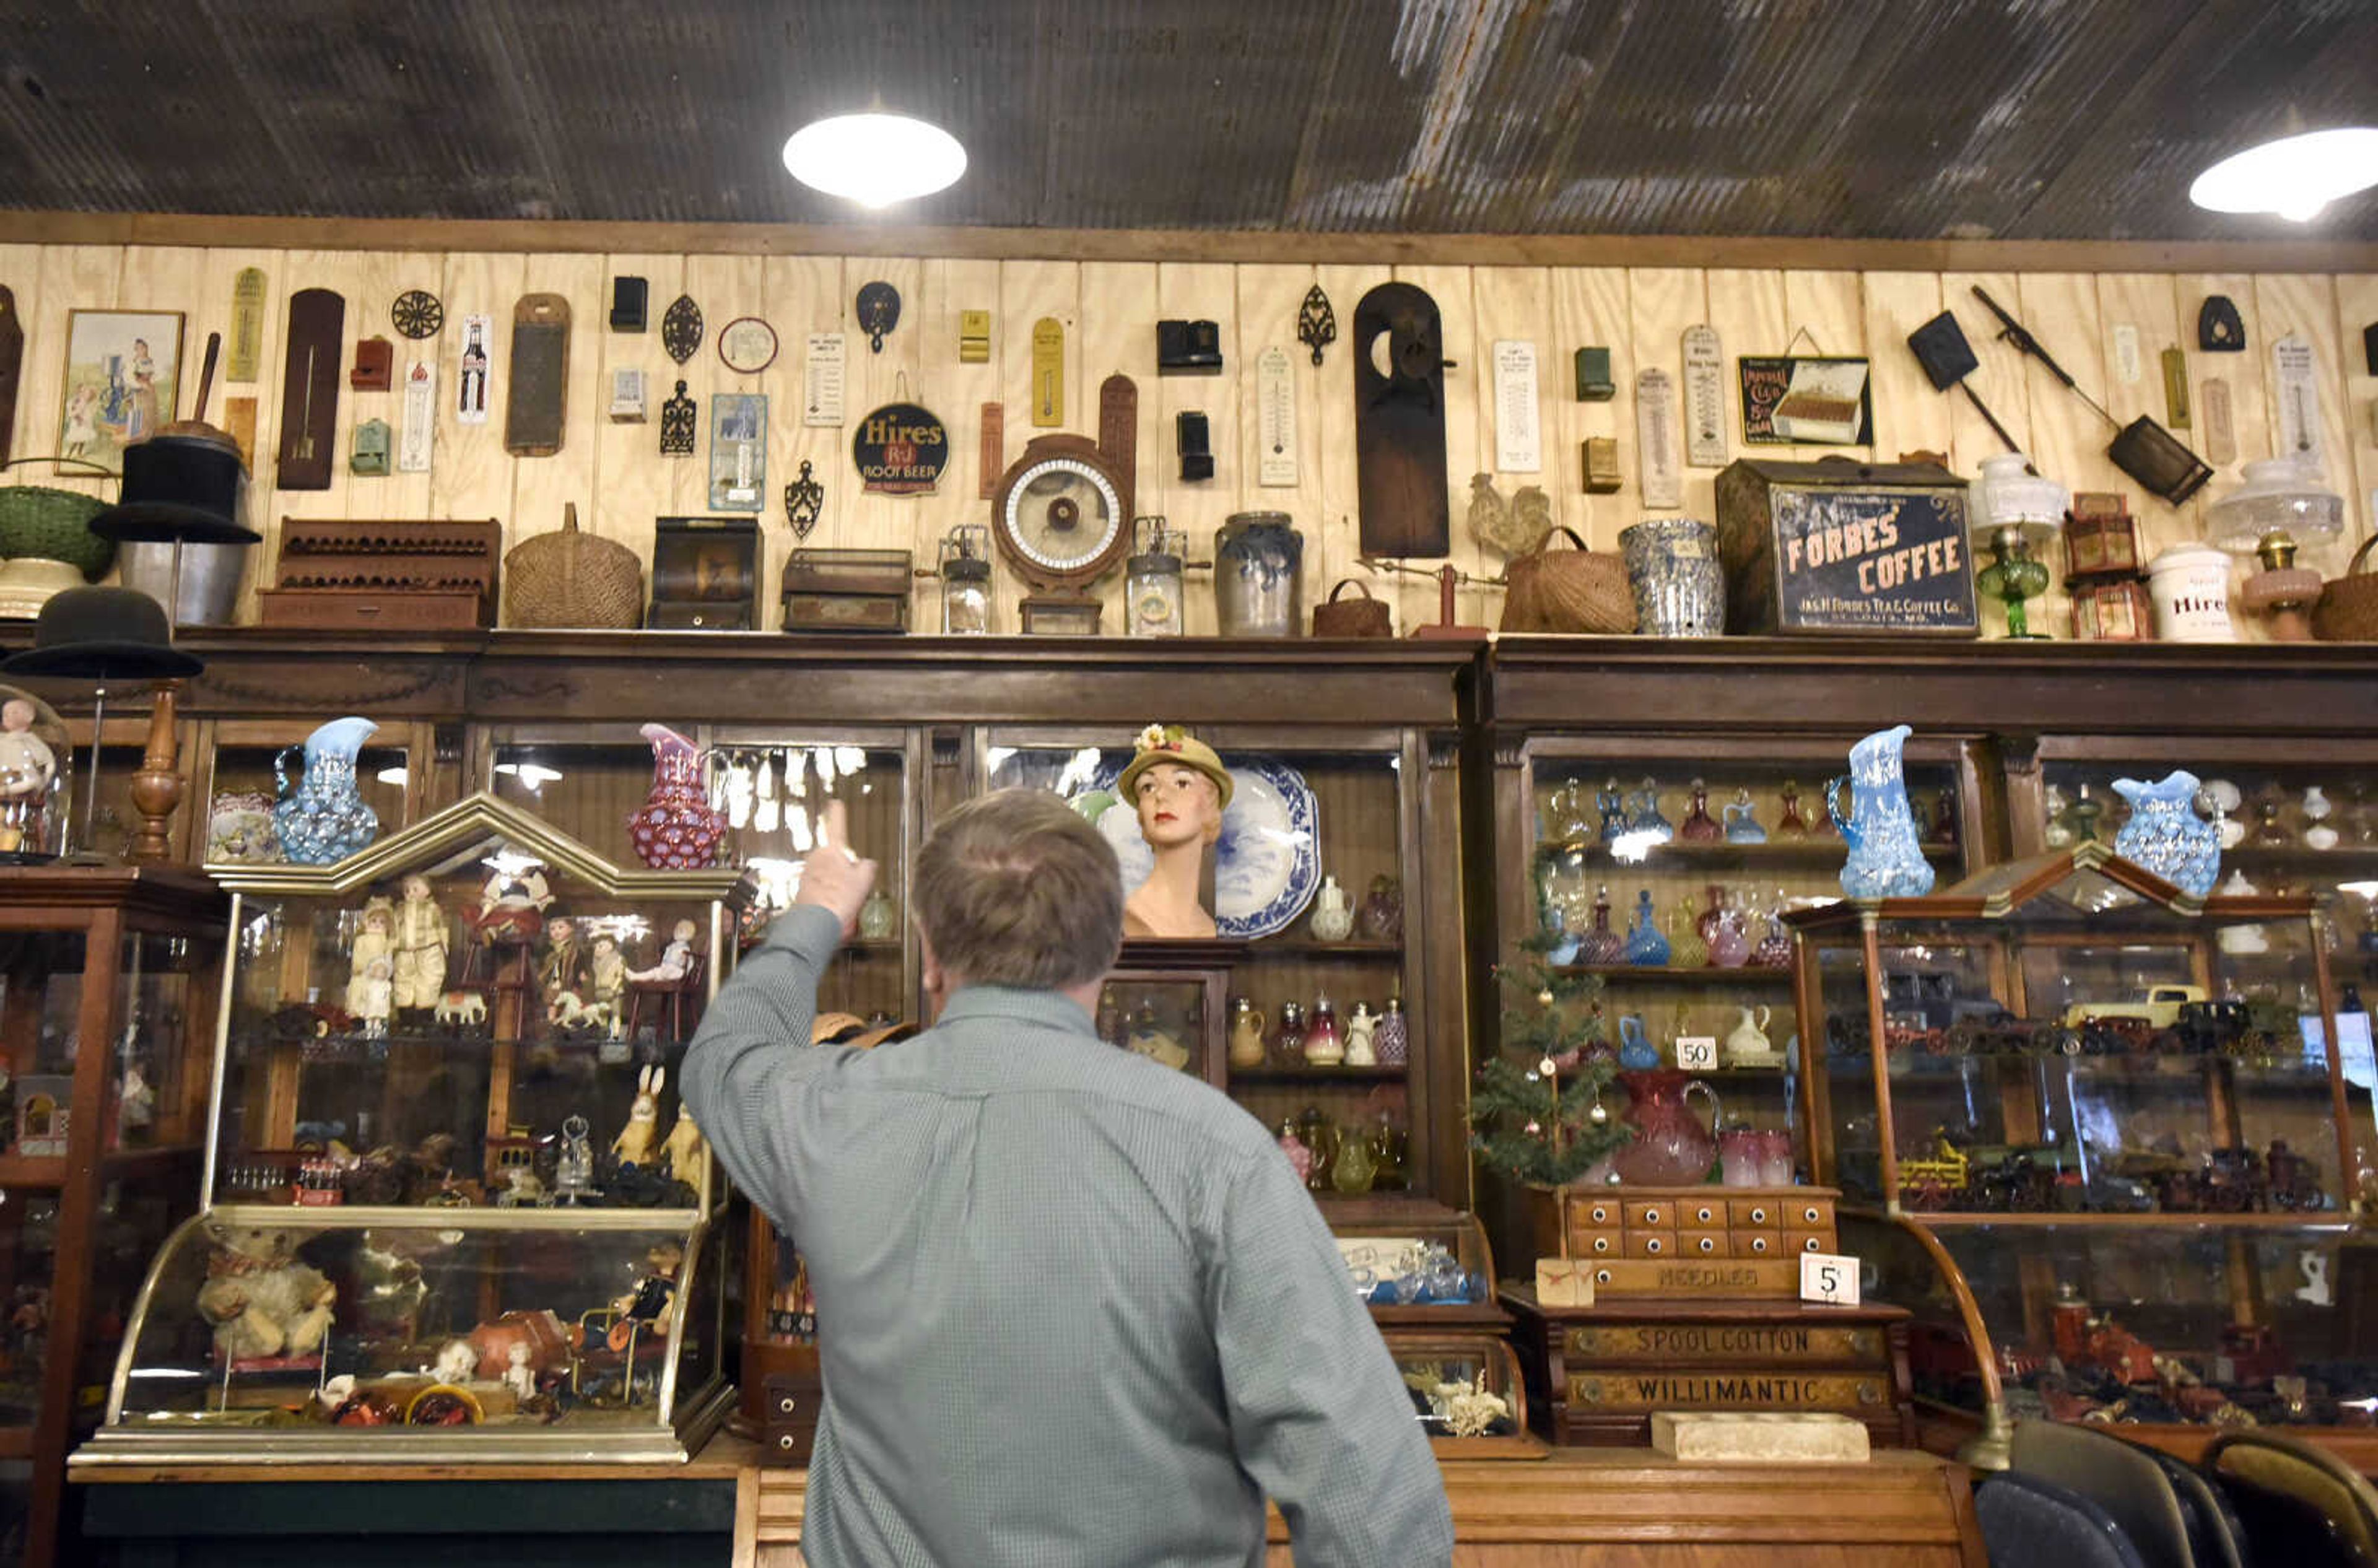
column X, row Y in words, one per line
column 2294, row 176
column 875, row 159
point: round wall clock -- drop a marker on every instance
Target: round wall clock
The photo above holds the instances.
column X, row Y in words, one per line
column 747, row 345
column 1058, row 514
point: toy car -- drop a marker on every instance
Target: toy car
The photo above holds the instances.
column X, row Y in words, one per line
column 2157, row 1006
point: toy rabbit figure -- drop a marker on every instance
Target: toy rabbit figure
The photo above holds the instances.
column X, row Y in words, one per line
column 634, row 1143
column 420, row 936
column 686, row 1149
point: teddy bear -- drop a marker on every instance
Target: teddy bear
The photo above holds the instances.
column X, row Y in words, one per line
column 262, row 1301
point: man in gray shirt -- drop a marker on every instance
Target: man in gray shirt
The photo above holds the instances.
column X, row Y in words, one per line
column 1077, row 1308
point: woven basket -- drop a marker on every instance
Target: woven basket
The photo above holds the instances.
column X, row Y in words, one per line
column 1576, row 589
column 55, row 526
column 2347, row 611
column 567, row 579
column 1364, row 616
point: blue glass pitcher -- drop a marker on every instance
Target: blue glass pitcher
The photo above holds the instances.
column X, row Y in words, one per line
column 324, row 818
column 1886, row 852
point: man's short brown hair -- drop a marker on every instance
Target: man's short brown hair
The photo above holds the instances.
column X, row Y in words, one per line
column 1016, row 889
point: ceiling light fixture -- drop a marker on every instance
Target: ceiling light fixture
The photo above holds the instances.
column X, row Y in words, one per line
column 875, row 159
column 2294, row 176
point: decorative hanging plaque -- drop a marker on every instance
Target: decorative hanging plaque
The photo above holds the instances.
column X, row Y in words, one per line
column 804, row 498
column 681, row 328
column 309, row 390
column 1655, row 439
column 739, row 452
column 2295, row 377
column 1518, row 437
column 1047, row 373
column 413, row 448
column 1316, row 324
column 901, row 449
column 747, row 345
column 879, row 312
column 246, row 325
column 2175, row 386
column 1275, row 420
column 1705, row 441
column 821, row 380
column 1805, row 400
column 471, row 395
column 677, row 426
column 418, row 314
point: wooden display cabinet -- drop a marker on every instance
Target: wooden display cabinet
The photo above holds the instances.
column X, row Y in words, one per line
column 2082, row 1084
column 109, row 980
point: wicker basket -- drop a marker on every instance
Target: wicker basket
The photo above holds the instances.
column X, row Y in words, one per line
column 568, row 579
column 55, row 526
column 1566, row 590
column 1364, row 616
column 2347, row 611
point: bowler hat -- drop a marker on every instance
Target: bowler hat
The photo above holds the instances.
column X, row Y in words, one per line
column 102, row 634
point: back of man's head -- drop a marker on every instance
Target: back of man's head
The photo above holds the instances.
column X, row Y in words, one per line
column 1015, row 888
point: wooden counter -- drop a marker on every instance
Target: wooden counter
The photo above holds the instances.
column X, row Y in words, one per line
column 1616, row 1508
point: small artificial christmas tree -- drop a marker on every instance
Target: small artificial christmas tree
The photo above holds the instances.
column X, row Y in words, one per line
column 1536, row 1114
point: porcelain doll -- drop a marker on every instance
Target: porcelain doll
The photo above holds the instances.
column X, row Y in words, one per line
column 1180, row 790
column 562, row 966
column 374, row 942
column 27, row 764
column 369, row 997
column 420, row 935
column 676, row 958
column 607, row 973
column 517, row 1376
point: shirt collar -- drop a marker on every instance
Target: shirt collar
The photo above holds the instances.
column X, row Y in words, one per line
column 1045, row 1007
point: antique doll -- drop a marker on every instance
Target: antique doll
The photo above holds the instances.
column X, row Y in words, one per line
column 27, row 764
column 419, row 937
column 562, row 966
column 369, row 997
column 607, row 972
column 676, row 958
column 374, row 944
column 648, row 1303
column 1179, row 789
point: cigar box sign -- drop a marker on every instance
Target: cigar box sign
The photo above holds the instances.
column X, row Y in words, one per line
column 1838, row 546
column 1803, row 401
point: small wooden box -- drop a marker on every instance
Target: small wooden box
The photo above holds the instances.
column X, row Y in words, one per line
column 1839, row 546
column 1690, row 1241
column 847, row 591
column 789, row 1427
column 398, row 575
column 1597, row 1375
column 705, row 574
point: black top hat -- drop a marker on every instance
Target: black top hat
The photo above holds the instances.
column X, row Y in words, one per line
column 177, row 487
column 102, row 634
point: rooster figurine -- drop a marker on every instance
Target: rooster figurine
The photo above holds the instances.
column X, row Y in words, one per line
column 1497, row 524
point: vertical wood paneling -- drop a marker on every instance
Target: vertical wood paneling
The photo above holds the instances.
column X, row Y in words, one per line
column 2357, row 307
column 1109, row 311
column 1341, row 505
column 1029, row 290
column 470, row 474
column 1663, row 301
column 632, row 484
column 1909, row 416
column 1269, row 298
column 1589, row 311
column 1111, row 330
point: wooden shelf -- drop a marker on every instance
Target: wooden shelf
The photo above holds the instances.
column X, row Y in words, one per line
column 1308, row 947
column 147, row 1161
column 1291, row 1074
column 1708, row 974
column 1791, row 854
column 2316, row 1219
column 2345, row 860
column 32, row 1170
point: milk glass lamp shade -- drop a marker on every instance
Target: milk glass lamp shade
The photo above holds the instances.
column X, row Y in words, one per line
column 36, row 780
column 2295, row 176
column 2011, row 494
column 874, row 160
column 2279, row 495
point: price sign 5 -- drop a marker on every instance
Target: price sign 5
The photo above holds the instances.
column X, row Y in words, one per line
column 1830, row 1278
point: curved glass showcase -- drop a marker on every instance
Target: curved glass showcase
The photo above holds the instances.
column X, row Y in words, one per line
column 2106, row 1154
column 452, row 1207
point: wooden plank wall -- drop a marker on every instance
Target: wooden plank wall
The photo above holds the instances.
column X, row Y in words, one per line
column 1109, row 310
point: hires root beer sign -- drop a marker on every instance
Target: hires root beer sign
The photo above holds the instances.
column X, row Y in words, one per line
column 901, row 449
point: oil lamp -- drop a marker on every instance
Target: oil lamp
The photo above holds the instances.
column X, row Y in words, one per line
column 2015, row 507
column 2281, row 507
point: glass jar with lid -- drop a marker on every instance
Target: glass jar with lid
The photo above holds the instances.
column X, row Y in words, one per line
column 1155, row 602
column 966, row 581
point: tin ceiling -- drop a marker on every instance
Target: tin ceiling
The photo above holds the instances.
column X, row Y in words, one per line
column 1861, row 118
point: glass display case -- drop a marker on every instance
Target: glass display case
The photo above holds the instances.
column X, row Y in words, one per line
column 2104, row 1151
column 445, row 1115
column 109, row 977
column 1667, row 872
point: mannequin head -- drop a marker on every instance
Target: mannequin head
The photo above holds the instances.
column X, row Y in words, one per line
column 1176, row 804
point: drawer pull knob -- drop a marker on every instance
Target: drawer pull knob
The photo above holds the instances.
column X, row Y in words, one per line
column 1602, row 1244
column 1810, row 1245
column 1759, row 1216
column 1650, row 1217
column 786, row 1442
column 1812, row 1213
column 1709, row 1244
column 1653, row 1246
column 1758, row 1244
column 787, row 1405
column 1704, row 1215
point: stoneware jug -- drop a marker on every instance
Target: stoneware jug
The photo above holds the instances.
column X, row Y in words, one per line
column 676, row 828
column 324, row 820
column 1333, row 912
column 1885, row 853
column 2164, row 834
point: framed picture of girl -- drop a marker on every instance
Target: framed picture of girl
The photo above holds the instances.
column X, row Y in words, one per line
column 122, row 382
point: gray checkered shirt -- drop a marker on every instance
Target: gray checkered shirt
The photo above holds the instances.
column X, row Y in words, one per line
column 1077, row 1308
